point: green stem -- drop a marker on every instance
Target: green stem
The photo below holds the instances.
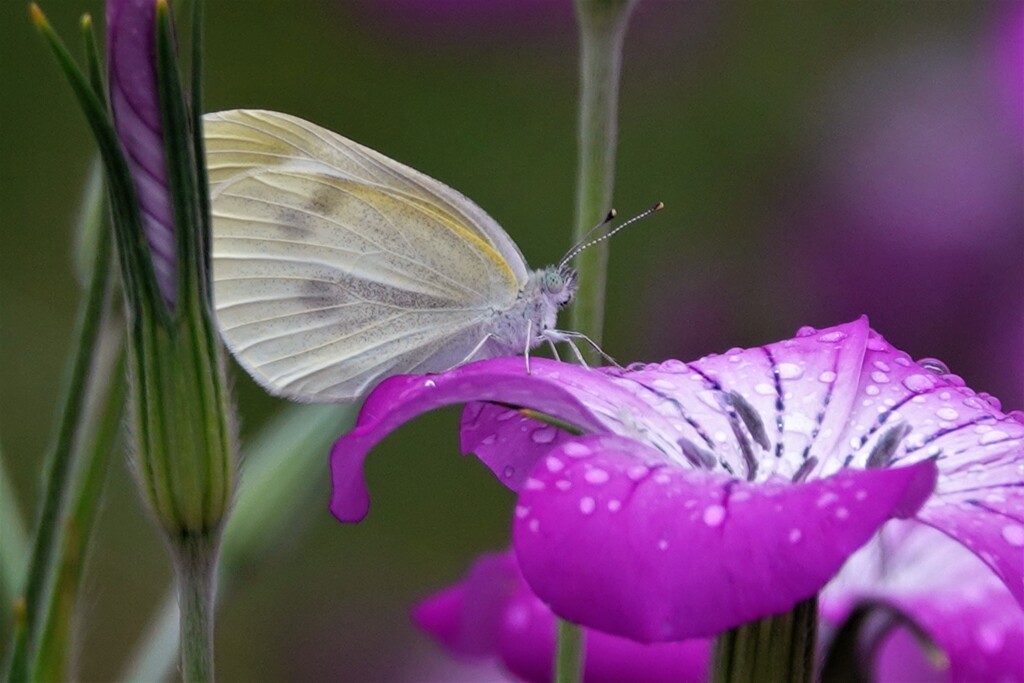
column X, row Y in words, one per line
column 42, row 562
column 602, row 29
column 280, row 471
column 195, row 560
column 570, row 654
column 778, row 648
column 106, row 399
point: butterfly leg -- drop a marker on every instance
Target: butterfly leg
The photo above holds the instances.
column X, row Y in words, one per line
column 594, row 345
column 529, row 338
column 476, row 349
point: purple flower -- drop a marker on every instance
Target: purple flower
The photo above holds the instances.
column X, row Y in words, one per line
column 909, row 569
column 134, row 101
column 944, row 589
column 709, row 494
column 493, row 614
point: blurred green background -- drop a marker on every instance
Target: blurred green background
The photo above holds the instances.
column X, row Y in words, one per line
column 818, row 160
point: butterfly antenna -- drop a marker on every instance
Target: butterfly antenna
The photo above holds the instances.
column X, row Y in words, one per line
column 611, row 214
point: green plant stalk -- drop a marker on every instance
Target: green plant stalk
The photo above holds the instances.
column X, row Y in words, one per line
column 281, row 467
column 778, row 648
column 602, row 30
column 98, row 446
column 43, row 561
column 570, row 652
column 15, row 548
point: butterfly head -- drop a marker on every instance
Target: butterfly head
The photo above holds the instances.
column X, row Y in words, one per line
column 559, row 284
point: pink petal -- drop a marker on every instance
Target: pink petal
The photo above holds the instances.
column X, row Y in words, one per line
column 613, row 539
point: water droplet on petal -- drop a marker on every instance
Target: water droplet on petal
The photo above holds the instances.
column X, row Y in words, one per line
column 563, row 484
column 574, row 449
column 880, row 377
column 534, row 484
column 993, row 436
column 832, row 337
column 614, row 505
column 714, row 515
column 871, row 390
column 522, row 511
column 663, row 544
column 795, row 535
column 508, row 471
column 587, row 505
column 991, row 400
column 430, row 384
column 544, row 435
column 534, row 525
column 790, row 370
column 1014, row 534
column 827, row 499
column 934, row 365
column 554, row 464
column 842, row 513
column 596, row 476
column 805, row 331
column 663, row 384
column 764, row 389
column 828, row 377
column 637, row 472
column 918, row 383
column 947, row 414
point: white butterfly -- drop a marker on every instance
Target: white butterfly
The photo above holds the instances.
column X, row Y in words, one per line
column 335, row 267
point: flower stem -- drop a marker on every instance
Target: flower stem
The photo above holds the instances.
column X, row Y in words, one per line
column 195, row 560
column 43, row 561
column 602, row 29
column 779, row 648
column 571, row 653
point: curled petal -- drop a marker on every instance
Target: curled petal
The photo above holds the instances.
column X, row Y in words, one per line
column 702, row 552
column 399, row 399
column 945, row 590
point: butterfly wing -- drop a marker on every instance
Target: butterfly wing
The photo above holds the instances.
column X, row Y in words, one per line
column 245, row 140
column 325, row 283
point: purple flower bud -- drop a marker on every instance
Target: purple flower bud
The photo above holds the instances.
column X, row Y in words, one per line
column 134, row 99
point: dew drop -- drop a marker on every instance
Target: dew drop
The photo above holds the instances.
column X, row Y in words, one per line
column 543, row 435
column 614, row 505
column 522, row 511
column 833, row 337
column 805, row 331
column 554, row 464
column 663, row 544
column 993, row 436
column 587, row 505
column 430, row 384
column 764, row 389
column 508, row 471
column 563, row 484
column 871, row 390
column 574, row 449
column 1013, row 534
column 828, row 377
column 827, row 499
column 790, row 370
column 882, row 365
column 534, row 525
column 714, row 515
column 880, row 377
column 663, row 384
column 842, row 513
column 918, row 383
column 934, row 365
column 795, row 535
column 637, row 472
column 534, row 484
column 596, row 476
column 947, row 414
